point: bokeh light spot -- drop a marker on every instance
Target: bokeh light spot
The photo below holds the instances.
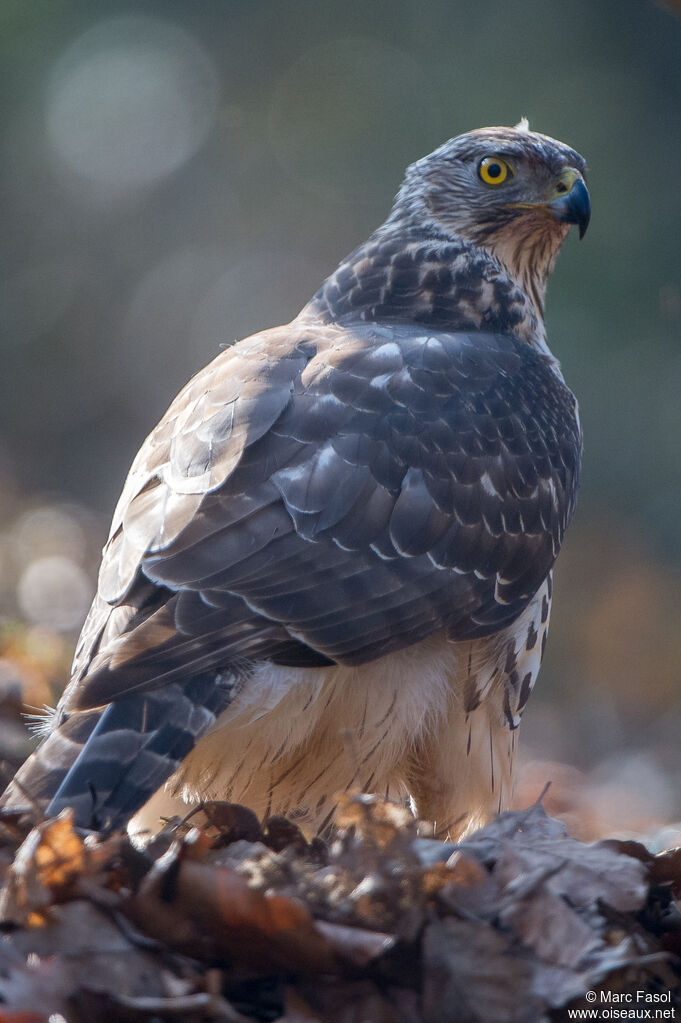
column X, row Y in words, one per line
column 130, row 101
column 54, row 592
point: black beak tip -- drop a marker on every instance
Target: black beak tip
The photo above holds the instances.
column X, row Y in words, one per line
column 583, row 209
column 575, row 207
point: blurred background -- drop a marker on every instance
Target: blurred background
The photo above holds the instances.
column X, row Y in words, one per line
column 177, row 175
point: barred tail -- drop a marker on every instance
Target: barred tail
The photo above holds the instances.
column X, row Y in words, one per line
column 105, row 764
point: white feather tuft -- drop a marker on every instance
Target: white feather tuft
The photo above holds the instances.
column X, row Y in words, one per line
column 39, row 722
column 522, row 125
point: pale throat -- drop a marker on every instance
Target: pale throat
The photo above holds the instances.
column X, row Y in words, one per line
column 528, row 250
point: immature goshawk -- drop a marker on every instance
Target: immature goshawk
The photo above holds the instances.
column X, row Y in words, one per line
column 330, row 566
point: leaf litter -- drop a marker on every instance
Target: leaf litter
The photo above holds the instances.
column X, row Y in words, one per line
column 222, row 918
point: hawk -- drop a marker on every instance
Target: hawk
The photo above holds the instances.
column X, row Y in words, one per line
column 331, row 562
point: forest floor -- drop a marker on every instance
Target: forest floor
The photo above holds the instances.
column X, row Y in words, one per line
column 225, row 918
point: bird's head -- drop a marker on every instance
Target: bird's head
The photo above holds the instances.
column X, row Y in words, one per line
column 510, row 191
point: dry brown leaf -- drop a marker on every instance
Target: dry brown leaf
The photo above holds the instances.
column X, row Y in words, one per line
column 92, row 951
column 472, row 976
column 477, row 898
column 209, row 910
column 7, row 1016
column 528, row 849
column 59, row 854
column 375, row 820
column 37, row 986
column 581, row 873
column 49, row 858
column 354, row 945
column 435, row 878
column 297, row 1010
column 280, row 833
column 531, row 825
column 551, row 928
column 360, row 1001
column 48, row 866
column 666, row 869
column 523, row 923
column 191, row 1008
column 221, row 823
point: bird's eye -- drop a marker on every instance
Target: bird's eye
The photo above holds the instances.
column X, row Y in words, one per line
column 493, row 170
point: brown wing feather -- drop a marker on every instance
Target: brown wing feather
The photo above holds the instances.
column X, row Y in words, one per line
column 333, row 493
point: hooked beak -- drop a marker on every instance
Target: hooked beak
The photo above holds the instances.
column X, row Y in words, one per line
column 572, row 204
column 568, row 201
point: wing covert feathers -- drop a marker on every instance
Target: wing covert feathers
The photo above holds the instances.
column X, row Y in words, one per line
column 374, row 485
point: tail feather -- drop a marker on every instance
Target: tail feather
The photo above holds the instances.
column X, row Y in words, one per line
column 105, row 764
column 38, row 778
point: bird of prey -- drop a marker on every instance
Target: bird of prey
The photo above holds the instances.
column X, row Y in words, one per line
column 331, row 563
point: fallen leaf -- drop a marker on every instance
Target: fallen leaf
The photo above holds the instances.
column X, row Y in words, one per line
column 360, row 1001
column 548, row 925
column 472, row 976
column 92, row 950
column 375, row 820
column 209, row 911
column 226, row 822
column 666, row 869
column 50, row 858
column 280, row 833
column 581, row 873
column 353, row 945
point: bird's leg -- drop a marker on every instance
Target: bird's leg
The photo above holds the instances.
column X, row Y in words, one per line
column 461, row 774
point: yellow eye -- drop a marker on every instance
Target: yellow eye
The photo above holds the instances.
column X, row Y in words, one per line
column 493, row 170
